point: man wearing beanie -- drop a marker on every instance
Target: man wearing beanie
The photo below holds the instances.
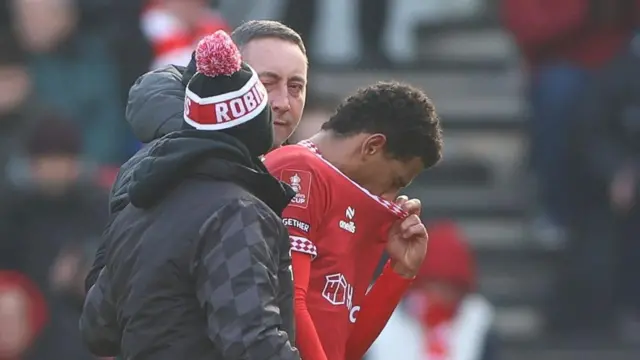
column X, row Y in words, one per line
column 156, row 100
column 198, row 263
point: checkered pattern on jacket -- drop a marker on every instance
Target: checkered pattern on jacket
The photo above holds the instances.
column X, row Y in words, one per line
column 237, row 278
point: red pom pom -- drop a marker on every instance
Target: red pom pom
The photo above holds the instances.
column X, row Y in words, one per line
column 217, row 55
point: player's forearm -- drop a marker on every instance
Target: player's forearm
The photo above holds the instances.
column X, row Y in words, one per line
column 376, row 309
column 307, row 339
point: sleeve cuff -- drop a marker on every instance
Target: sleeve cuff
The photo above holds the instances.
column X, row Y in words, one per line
column 394, row 277
column 303, row 245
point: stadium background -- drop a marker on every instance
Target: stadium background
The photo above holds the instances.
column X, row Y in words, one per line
column 81, row 56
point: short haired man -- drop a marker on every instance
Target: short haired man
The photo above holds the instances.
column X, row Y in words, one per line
column 156, row 100
column 198, row 265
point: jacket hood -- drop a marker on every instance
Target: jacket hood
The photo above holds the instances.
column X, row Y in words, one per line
column 214, row 155
column 156, row 103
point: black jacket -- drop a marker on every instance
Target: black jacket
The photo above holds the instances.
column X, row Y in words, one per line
column 154, row 109
column 608, row 127
column 198, row 265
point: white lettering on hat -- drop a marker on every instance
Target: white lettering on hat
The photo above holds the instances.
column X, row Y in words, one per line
column 221, row 112
column 237, row 107
column 226, row 110
column 250, row 100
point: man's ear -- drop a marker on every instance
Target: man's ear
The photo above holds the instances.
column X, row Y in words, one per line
column 373, row 145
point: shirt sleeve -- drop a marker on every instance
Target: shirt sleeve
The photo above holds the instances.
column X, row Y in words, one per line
column 236, row 284
column 375, row 311
column 308, row 340
column 303, row 215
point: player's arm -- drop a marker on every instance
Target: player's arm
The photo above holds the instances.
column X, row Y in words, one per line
column 235, row 284
column 301, row 217
column 375, row 311
column 307, row 338
column 407, row 247
column 301, row 220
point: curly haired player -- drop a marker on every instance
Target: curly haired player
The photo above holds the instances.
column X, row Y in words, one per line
column 343, row 218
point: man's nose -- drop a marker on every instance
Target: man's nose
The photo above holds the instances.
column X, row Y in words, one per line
column 279, row 100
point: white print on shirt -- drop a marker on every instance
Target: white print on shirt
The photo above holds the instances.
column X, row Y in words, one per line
column 349, row 225
column 337, row 291
column 295, row 223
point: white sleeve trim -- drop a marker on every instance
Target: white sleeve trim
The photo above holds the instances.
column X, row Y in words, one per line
column 303, row 245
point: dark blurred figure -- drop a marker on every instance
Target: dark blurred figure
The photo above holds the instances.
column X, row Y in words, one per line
column 23, row 313
column 564, row 42
column 51, row 223
column 5, row 17
column 17, row 107
column 372, row 20
column 442, row 317
column 129, row 47
column 74, row 71
column 600, row 272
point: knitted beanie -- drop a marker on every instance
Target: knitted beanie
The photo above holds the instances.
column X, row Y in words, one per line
column 225, row 94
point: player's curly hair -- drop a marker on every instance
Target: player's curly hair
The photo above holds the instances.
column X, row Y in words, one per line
column 403, row 113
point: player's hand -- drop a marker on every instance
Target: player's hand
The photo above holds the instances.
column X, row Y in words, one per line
column 407, row 242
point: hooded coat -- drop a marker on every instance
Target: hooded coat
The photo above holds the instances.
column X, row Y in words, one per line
column 155, row 108
column 197, row 259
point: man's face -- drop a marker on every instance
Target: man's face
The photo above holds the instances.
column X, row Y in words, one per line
column 188, row 11
column 441, row 293
column 44, row 25
column 53, row 173
column 377, row 171
column 14, row 87
column 282, row 68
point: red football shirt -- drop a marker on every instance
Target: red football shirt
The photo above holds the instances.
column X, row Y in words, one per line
column 342, row 227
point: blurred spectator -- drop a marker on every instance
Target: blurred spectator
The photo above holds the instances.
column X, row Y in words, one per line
column 74, row 72
column 441, row 317
column 130, row 48
column 17, row 107
column 600, row 274
column 51, row 223
column 563, row 43
column 174, row 27
column 372, row 20
column 23, row 313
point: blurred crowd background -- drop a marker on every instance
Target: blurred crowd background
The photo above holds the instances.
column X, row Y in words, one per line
column 533, row 211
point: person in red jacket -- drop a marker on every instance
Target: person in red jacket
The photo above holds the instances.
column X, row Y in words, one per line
column 563, row 43
column 343, row 218
column 173, row 27
column 442, row 316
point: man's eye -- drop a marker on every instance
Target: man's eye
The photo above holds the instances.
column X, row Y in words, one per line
column 295, row 88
